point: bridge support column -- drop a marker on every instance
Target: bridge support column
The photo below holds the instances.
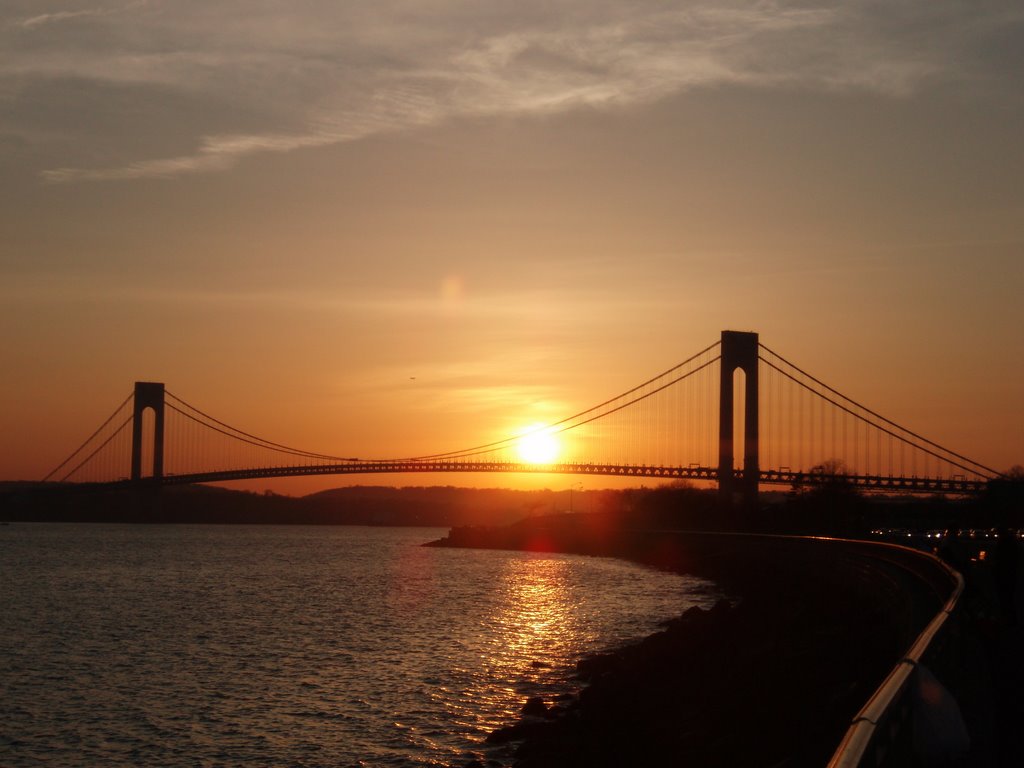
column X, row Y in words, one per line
column 739, row 350
column 148, row 395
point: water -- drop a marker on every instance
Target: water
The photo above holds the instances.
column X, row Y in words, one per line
column 291, row 645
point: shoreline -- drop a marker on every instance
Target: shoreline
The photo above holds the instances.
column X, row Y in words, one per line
column 753, row 681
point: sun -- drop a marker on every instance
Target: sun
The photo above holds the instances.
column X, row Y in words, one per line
column 538, row 445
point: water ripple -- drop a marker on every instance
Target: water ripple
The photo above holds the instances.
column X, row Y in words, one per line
column 267, row 646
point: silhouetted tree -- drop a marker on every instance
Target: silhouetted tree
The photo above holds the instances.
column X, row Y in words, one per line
column 1004, row 498
column 826, row 500
column 830, row 477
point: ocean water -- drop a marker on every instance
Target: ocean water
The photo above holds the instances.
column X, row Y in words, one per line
column 291, row 645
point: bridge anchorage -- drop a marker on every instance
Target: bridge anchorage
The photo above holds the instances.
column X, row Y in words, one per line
column 789, row 428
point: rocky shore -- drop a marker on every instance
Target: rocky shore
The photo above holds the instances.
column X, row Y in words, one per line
column 771, row 676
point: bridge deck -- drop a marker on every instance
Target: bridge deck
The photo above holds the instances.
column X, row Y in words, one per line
column 954, row 485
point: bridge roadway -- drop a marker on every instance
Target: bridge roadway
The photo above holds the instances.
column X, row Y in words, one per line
column 956, row 485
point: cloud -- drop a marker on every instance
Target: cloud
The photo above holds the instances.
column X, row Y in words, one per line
column 59, row 16
column 327, row 73
column 214, row 154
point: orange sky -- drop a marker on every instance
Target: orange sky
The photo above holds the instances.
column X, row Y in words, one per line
column 528, row 210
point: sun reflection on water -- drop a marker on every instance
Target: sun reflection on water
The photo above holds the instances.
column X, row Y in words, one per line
column 538, row 610
column 534, row 633
column 520, row 633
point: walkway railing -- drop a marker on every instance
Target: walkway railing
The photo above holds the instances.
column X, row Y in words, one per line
column 885, row 719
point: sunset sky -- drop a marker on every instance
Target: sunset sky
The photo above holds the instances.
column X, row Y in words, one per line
column 391, row 228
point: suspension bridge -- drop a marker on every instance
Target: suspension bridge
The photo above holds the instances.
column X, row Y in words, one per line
column 736, row 413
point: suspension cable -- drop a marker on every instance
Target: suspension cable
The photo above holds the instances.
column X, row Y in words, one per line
column 289, row 451
column 900, row 438
column 878, row 415
column 260, row 441
column 110, row 418
column 636, row 400
column 99, row 448
column 498, row 445
column 490, row 447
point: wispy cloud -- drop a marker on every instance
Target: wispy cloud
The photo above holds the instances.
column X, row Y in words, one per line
column 58, row 16
column 215, row 153
column 341, row 74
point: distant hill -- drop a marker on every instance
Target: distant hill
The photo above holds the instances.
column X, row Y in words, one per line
column 664, row 507
column 357, row 505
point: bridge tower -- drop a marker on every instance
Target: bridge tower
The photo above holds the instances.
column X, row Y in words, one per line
column 148, row 395
column 739, row 351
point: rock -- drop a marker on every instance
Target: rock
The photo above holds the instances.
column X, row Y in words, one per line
column 535, row 707
column 524, row 729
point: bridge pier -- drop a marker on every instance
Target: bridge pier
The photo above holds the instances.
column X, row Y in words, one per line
column 739, row 351
column 148, row 395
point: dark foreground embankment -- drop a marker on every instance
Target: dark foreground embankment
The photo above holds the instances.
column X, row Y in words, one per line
column 771, row 677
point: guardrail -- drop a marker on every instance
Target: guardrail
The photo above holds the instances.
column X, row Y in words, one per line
column 883, row 720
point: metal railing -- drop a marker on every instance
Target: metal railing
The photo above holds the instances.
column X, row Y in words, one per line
column 885, row 717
